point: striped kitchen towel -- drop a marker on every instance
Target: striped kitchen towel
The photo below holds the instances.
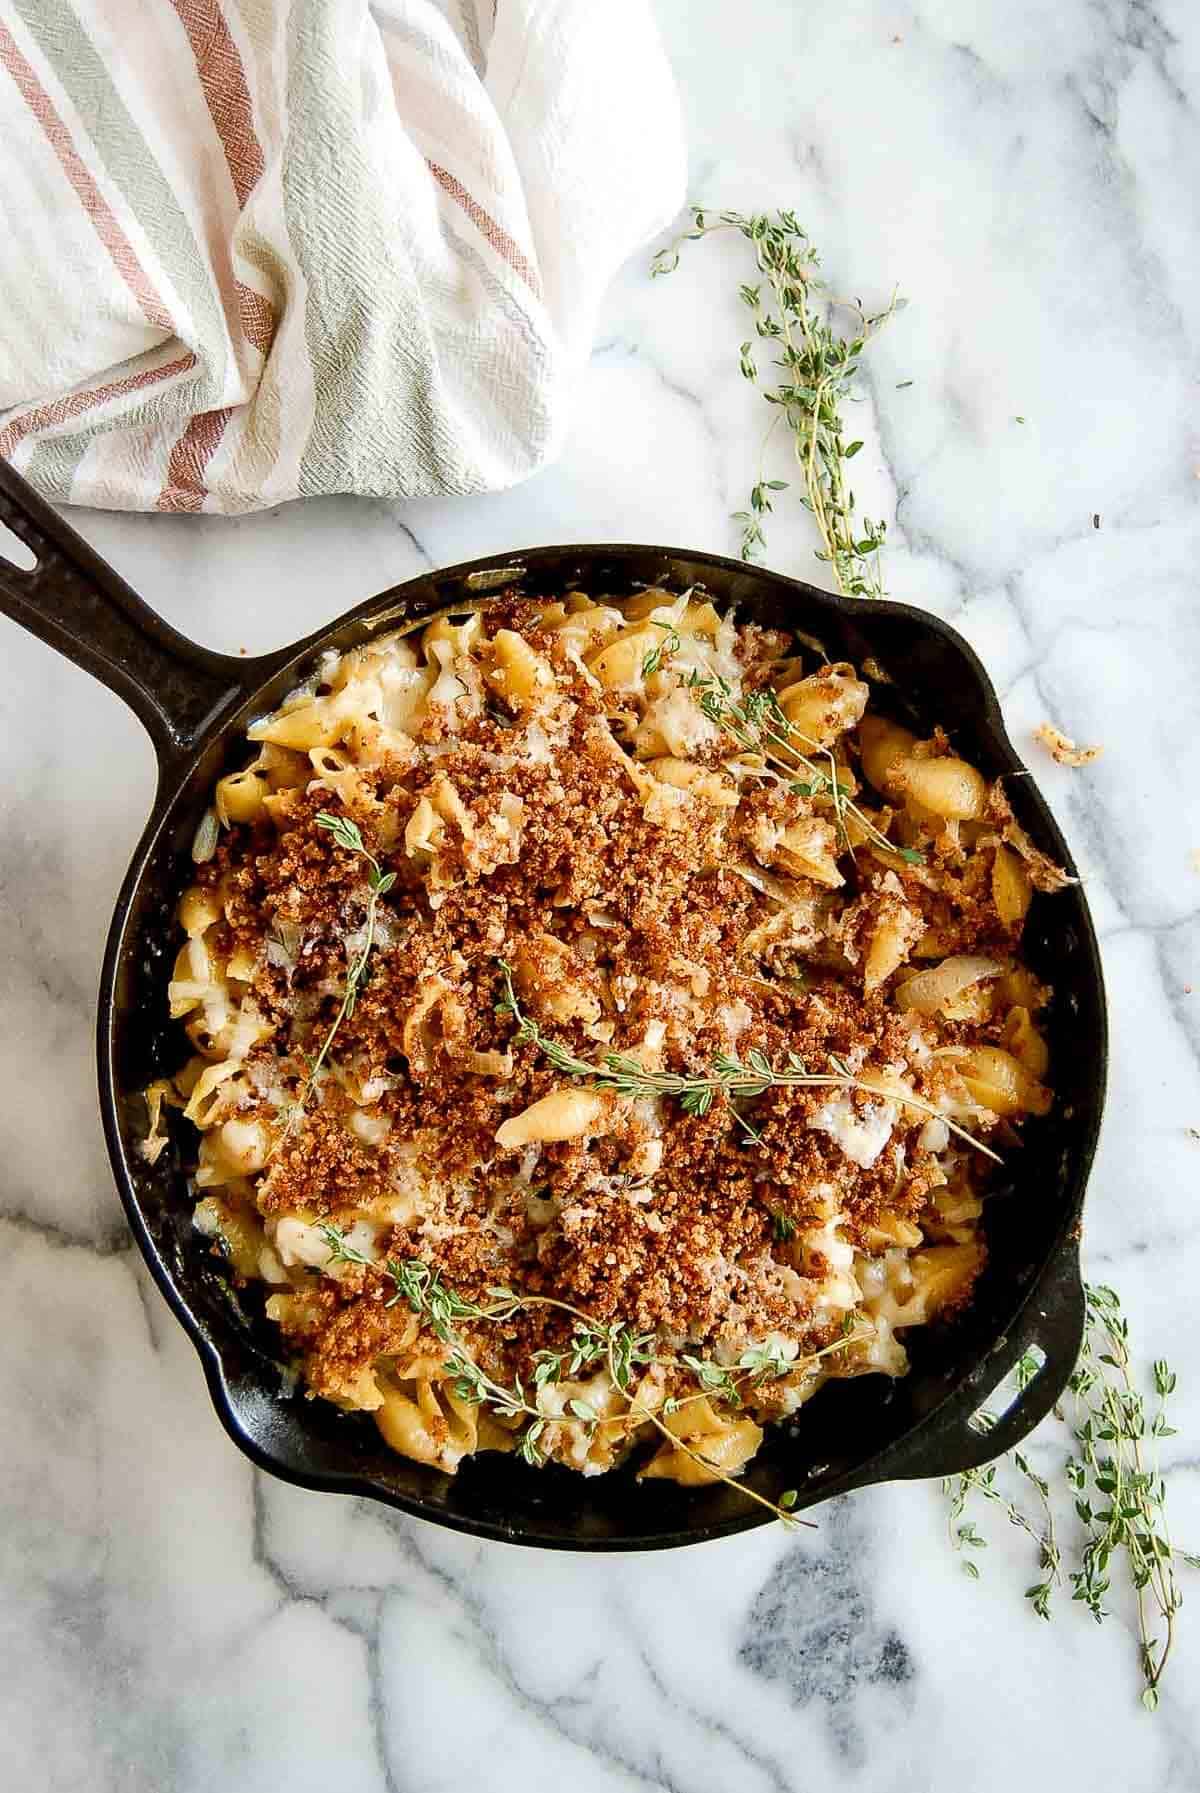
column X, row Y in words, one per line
column 252, row 250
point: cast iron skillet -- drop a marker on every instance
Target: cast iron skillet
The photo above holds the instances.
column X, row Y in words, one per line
column 196, row 705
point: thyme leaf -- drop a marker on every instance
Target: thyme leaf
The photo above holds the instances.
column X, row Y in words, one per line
column 670, row 644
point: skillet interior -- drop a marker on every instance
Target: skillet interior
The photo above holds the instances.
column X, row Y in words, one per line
column 852, row 1432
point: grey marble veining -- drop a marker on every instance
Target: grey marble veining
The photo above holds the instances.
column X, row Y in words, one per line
column 170, row 1620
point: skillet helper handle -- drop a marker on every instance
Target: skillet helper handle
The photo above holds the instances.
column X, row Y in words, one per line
column 76, row 603
column 1053, row 1323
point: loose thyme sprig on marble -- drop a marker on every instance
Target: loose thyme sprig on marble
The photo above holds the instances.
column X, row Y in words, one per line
column 817, row 362
column 1118, row 1495
column 1129, row 1514
column 616, row 1348
column 734, row 1078
column 347, row 834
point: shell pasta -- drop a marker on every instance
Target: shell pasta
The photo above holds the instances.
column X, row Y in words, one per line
column 602, row 1025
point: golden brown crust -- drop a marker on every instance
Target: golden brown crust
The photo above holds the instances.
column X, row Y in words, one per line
column 639, row 916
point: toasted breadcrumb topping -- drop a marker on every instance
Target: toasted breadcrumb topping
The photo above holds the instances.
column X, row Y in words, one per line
column 543, row 787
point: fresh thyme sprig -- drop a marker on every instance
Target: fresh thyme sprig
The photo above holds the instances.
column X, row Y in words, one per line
column 616, row 1348
column 347, row 834
column 1129, row 1514
column 817, row 362
column 1118, row 1494
column 734, row 1078
column 758, row 724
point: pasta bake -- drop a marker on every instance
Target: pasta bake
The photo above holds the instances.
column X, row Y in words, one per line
column 604, row 1022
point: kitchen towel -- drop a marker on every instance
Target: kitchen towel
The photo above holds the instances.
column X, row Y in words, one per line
column 252, row 250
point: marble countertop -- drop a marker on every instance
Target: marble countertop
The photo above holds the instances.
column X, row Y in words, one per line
column 172, row 1620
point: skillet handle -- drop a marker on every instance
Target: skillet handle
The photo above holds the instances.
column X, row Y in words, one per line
column 947, row 1444
column 76, row 603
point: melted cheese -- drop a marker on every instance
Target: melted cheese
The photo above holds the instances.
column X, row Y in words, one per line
column 862, row 1133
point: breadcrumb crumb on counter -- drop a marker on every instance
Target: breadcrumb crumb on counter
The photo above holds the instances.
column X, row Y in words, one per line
column 1062, row 748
